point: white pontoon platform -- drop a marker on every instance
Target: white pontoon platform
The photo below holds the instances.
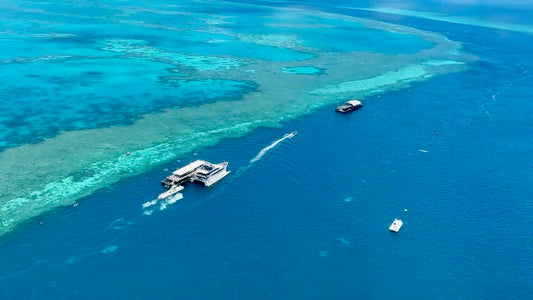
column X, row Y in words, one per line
column 199, row 171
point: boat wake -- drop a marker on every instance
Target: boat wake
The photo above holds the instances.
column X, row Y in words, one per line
column 271, row 146
column 263, row 152
column 80, row 257
column 344, row 241
column 109, row 249
column 171, row 200
column 163, row 203
column 119, row 224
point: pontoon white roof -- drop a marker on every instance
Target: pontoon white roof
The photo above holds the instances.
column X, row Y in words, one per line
column 189, row 168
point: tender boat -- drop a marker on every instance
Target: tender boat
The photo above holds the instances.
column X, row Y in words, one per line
column 396, row 225
column 171, row 191
column 349, row 106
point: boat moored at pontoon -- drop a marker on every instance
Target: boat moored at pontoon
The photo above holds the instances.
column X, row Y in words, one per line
column 199, row 171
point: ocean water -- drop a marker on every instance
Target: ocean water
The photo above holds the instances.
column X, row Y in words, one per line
column 443, row 142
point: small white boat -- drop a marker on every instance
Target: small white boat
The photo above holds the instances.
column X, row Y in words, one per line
column 173, row 190
column 396, row 225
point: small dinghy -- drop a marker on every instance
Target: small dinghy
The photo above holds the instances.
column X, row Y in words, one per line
column 396, row 225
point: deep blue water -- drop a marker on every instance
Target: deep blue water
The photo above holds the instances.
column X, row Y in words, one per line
column 309, row 220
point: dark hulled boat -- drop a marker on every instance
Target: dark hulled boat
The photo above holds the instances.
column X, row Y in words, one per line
column 349, row 106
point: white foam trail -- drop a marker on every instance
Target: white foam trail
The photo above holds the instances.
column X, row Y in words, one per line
column 113, row 224
column 272, row 145
column 119, row 224
column 73, row 260
column 344, row 241
column 78, row 258
column 485, row 109
column 149, row 203
column 163, row 203
column 264, row 151
column 423, row 151
column 174, row 198
column 109, row 249
column 170, row 201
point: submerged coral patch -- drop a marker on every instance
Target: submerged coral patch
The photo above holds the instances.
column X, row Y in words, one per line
column 302, row 70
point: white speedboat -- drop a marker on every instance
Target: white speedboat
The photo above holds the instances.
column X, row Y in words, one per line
column 171, row 191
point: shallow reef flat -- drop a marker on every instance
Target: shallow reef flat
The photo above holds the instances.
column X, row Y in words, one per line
column 131, row 90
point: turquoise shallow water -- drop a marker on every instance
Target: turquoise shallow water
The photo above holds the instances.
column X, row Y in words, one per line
column 161, row 89
column 44, row 97
column 304, row 70
column 444, row 133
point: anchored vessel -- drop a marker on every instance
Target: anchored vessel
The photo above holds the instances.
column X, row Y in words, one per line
column 349, row 106
column 396, row 225
column 209, row 173
column 199, row 170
